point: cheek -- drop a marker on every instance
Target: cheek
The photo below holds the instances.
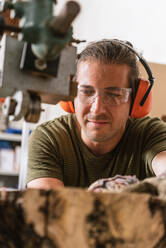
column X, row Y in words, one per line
column 76, row 105
column 79, row 108
column 120, row 113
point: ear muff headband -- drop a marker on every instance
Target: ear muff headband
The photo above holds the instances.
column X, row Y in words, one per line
column 147, row 69
column 143, row 100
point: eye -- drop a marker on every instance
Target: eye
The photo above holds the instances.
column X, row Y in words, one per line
column 87, row 92
column 112, row 94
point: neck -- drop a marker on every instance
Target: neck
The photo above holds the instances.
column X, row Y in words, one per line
column 101, row 148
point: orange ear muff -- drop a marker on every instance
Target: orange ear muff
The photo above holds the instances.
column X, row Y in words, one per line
column 137, row 110
column 67, row 106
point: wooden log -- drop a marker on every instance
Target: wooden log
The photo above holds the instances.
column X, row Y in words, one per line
column 70, row 217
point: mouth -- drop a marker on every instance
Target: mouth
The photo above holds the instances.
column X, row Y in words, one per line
column 98, row 122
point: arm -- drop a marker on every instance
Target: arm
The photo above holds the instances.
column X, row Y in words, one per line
column 45, row 183
column 159, row 163
column 44, row 161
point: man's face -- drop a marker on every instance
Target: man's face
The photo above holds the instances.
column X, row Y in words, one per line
column 99, row 121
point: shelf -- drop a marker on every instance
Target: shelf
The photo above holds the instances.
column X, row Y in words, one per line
column 8, row 173
column 10, row 137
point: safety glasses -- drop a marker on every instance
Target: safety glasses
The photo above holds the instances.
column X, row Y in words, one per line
column 111, row 95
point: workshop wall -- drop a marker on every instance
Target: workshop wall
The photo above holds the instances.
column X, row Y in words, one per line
column 141, row 22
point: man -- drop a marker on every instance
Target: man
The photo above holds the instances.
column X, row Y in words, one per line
column 100, row 140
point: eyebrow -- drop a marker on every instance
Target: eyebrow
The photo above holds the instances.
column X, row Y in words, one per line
column 85, row 86
column 107, row 88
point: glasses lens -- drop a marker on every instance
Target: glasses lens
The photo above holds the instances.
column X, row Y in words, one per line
column 86, row 91
column 116, row 96
column 111, row 96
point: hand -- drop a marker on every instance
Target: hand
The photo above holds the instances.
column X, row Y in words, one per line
column 112, row 184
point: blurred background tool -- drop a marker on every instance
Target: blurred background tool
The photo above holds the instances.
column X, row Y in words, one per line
column 37, row 58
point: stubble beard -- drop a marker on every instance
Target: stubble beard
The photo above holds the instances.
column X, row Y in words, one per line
column 98, row 137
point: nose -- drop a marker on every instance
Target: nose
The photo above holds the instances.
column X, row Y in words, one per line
column 98, row 106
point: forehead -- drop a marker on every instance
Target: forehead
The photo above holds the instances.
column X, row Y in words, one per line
column 98, row 74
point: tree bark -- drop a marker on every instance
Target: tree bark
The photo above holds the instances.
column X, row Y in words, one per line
column 75, row 218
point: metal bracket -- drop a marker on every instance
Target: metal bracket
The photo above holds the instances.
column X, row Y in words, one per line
column 50, row 89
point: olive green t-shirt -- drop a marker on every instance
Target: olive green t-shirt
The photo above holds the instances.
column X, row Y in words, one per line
column 56, row 150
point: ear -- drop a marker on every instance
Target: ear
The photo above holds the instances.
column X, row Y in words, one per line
column 67, row 106
column 137, row 110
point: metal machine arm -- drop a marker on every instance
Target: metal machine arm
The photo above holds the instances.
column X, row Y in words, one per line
column 40, row 65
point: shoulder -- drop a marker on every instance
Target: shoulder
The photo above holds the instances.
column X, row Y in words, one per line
column 59, row 127
column 62, row 122
column 146, row 122
column 146, row 126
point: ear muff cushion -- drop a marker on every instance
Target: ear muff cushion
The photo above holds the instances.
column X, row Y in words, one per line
column 137, row 110
column 67, row 106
